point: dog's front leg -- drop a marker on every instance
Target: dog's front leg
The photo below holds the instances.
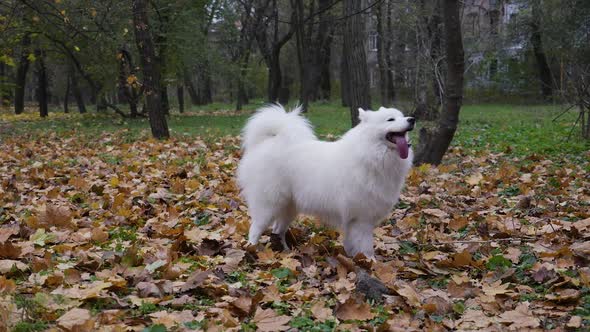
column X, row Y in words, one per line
column 359, row 239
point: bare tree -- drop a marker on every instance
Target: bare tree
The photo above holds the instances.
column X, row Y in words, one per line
column 435, row 141
column 314, row 34
column 42, row 81
column 21, row 75
column 151, row 73
column 544, row 71
column 270, row 42
column 355, row 59
column 384, row 53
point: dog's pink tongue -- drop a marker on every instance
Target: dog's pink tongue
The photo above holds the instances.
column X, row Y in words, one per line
column 402, row 146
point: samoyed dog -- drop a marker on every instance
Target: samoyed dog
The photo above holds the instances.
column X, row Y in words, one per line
column 352, row 183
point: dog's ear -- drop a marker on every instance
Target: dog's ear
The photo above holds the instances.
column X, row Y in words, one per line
column 381, row 109
column 363, row 115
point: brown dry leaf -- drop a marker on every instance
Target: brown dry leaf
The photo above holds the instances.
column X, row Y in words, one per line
column 172, row 319
column 8, row 265
column 585, row 276
column 581, row 248
column 474, row 179
column 520, row 317
column 436, row 213
column 8, row 231
column 271, row 294
column 7, row 286
column 409, row 294
column 243, row 304
column 196, row 234
column 574, row 322
column 437, row 305
column 266, row 256
column 76, row 320
column 354, row 309
column 474, row 320
column 268, row 321
column 290, row 263
column 55, row 215
column 195, row 280
column 564, row 295
column 513, row 254
column 99, row 235
column 90, row 291
column 233, row 258
column 496, row 288
column 320, row 311
column 384, row 272
column 458, row 222
column 461, row 259
column 583, row 226
column 9, row 250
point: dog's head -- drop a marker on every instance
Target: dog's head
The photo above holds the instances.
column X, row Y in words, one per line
column 390, row 127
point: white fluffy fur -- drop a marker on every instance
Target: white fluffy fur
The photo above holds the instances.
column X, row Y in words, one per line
column 352, row 183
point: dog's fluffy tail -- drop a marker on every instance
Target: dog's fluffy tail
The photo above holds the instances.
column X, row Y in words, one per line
column 272, row 121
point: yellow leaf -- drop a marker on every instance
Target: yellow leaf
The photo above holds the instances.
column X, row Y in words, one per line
column 114, row 181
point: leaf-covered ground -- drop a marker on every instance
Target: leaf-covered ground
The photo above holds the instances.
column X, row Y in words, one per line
column 114, row 235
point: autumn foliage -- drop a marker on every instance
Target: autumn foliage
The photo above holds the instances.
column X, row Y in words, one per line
column 101, row 233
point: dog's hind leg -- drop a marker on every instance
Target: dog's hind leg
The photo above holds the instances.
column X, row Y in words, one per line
column 282, row 223
column 261, row 219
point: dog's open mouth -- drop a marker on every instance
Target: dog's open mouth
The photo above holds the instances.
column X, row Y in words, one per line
column 401, row 143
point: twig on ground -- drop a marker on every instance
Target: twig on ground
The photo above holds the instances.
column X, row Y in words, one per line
column 562, row 113
column 520, row 239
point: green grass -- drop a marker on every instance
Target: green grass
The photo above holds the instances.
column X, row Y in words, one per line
column 515, row 129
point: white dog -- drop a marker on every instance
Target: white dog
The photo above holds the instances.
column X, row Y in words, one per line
column 352, row 183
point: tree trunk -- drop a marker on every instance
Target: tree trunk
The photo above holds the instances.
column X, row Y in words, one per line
column 151, row 74
column 165, row 100
column 270, row 45
column 356, row 59
column 42, row 95
column 101, row 103
column 242, row 94
column 383, row 51
column 323, row 44
column 391, row 83
column 76, row 92
column 275, row 78
column 21, row 76
column 6, row 94
column 180, row 96
column 545, row 76
column 325, row 74
column 192, row 92
column 434, row 142
column 206, row 96
column 127, row 88
column 344, row 82
column 67, row 95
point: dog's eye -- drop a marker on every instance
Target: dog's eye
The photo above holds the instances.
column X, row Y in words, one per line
column 391, row 119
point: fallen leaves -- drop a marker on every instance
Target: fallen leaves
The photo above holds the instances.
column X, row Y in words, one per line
column 76, row 320
column 110, row 234
column 520, row 317
column 354, row 309
column 268, row 321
